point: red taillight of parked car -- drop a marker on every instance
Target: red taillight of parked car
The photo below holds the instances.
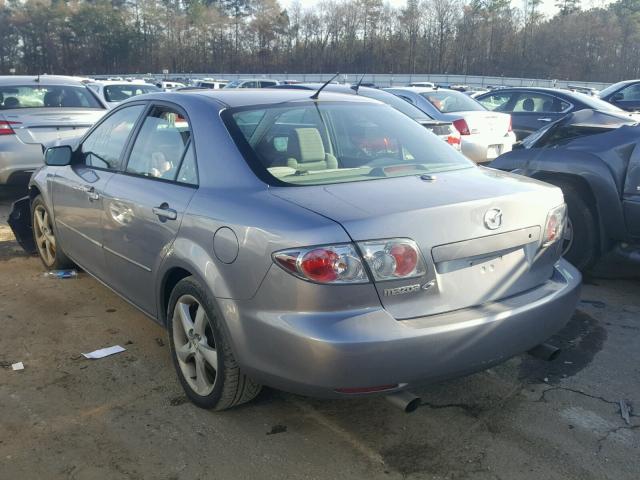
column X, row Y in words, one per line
column 461, row 126
column 327, row 264
column 510, row 127
column 392, row 259
column 454, row 140
column 6, row 127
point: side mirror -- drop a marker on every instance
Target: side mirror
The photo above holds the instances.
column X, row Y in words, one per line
column 58, row 156
column 617, row 97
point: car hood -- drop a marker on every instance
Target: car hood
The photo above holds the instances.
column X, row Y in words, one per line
column 446, row 212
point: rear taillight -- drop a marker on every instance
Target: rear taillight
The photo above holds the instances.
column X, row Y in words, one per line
column 454, row 140
column 461, row 126
column 6, row 127
column 510, row 128
column 392, row 259
column 327, row 264
column 555, row 225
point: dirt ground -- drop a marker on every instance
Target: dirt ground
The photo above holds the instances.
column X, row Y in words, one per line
column 125, row 416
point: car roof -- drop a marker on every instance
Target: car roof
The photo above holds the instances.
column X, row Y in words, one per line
column 417, row 89
column 257, row 96
column 39, row 80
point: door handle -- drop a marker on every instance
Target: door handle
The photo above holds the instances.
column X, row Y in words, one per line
column 91, row 192
column 544, row 119
column 165, row 213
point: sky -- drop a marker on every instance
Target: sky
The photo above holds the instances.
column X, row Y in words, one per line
column 548, row 6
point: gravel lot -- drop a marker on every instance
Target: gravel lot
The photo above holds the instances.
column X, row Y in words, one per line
column 125, row 416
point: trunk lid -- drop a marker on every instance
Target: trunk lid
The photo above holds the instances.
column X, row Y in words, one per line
column 49, row 125
column 468, row 264
column 484, row 122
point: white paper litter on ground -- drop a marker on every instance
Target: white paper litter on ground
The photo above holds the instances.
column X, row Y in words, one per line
column 104, row 352
column 17, row 366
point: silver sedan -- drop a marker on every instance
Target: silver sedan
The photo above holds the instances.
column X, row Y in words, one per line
column 37, row 111
column 325, row 245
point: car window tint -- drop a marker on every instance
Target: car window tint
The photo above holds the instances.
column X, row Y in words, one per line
column 497, row 101
column 103, row 147
column 188, row 172
column 46, row 96
column 631, row 93
column 539, row 103
column 160, row 145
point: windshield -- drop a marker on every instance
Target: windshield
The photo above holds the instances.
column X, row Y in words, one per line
column 233, row 84
column 612, row 88
column 595, row 103
column 449, row 101
column 335, row 142
column 119, row 93
column 48, row 96
column 396, row 102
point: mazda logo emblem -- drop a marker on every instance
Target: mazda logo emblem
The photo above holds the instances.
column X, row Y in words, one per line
column 493, row 219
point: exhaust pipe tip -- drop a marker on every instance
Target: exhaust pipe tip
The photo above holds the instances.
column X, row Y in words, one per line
column 545, row 351
column 405, row 401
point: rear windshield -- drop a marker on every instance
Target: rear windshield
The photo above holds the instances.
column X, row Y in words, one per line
column 449, row 101
column 335, row 142
column 49, row 96
column 396, row 102
column 119, row 93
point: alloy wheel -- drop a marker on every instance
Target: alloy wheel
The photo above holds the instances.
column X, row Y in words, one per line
column 195, row 345
column 45, row 239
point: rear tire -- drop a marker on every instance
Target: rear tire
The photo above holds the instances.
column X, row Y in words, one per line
column 583, row 251
column 47, row 245
column 201, row 351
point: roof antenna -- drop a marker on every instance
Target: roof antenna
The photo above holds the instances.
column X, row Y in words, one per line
column 315, row 95
column 359, row 83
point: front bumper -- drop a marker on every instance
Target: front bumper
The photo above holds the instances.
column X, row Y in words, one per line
column 316, row 353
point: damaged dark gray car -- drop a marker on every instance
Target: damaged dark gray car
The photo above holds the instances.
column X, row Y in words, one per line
column 594, row 157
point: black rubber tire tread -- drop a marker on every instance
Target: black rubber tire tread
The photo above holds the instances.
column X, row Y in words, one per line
column 232, row 387
column 584, row 252
column 61, row 262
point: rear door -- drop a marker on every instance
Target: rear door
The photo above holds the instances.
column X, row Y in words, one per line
column 78, row 189
column 144, row 204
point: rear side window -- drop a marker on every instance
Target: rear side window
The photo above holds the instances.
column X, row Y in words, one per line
column 103, row 147
column 161, row 145
column 540, row 103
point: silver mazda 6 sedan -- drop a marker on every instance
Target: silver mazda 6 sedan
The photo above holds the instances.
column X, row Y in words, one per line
column 324, row 245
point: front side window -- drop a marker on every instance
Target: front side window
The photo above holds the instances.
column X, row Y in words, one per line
column 631, row 93
column 159, row 148
column 496, row 101
column 103, row 147
column 46, row 96
column 337, row 142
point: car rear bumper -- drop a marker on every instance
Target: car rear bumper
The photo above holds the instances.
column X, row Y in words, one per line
column 315, row 354
column 18, row 160
column 485, row 148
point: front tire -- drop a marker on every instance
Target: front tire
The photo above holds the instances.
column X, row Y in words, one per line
column 44, row 237
column 581, row 237
column 201, row 352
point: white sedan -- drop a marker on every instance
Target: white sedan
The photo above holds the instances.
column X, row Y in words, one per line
column 484, row 135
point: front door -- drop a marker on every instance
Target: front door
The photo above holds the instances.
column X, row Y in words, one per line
column 144, row 205
column 78, row 189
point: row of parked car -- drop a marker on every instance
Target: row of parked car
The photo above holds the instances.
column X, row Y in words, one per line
column 318, row 238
